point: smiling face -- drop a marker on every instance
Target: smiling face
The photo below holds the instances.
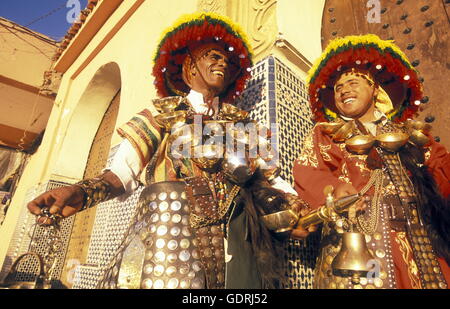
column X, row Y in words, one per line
column 354, row 96
column 211, row 72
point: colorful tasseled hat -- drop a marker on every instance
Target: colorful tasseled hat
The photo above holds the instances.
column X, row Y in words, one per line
column 383, row 60
column 189, row 32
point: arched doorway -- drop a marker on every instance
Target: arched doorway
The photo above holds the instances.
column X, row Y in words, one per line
column 101, row 97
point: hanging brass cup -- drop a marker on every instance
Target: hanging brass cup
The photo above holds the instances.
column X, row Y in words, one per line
column 168, row 104
column 170, row 119
column 281, row 221
column 418, row 138
column 233, row 113
column 207, row 156
column 417, row 130
column 344, row 132
column 215, row 127
column 330, row 127
column 360, row 144
column 322, row 214
column 392, row 141
column 418, row 125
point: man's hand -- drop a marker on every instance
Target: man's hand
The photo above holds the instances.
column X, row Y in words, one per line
column 299, row 232
column 64, row 201
column 344, row 189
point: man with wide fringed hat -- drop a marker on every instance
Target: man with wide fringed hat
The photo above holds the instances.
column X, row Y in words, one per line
column 364, row 93
column 197, row 221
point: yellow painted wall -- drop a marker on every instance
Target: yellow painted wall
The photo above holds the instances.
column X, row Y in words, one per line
column 300, row 22
column 18, row 45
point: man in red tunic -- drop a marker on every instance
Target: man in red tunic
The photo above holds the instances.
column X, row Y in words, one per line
column 368, row 91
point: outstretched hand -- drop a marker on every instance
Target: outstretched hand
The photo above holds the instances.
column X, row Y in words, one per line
column 64, row 201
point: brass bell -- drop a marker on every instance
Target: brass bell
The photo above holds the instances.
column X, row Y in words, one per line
column 353, row 258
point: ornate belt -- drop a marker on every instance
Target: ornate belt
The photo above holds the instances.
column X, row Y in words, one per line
column 207, row 221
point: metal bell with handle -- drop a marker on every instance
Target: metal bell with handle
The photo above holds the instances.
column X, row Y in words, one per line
column 353, row 260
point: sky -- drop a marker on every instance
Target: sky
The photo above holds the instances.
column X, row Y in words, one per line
column 50, row 17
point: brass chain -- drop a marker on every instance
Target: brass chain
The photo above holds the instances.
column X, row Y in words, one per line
column 197, row 221
column 53, row 241
column 370, row 226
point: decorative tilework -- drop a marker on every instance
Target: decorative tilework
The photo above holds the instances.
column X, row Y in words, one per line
column 86, row 277
column 111, row 222
column 275, row 94
column 21, row 241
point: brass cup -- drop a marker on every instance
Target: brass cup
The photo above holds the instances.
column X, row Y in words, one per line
column 218, row 122
column 168, row 120
column 168, row 104
column 418, row 125
column 280, row 221
column 330, row 127
column 211, row 155
column 423, row 127
column 360, row 144
column 229, row 108
column 344, row 132
column 418, row 138
column 410, row 123
column 233, row 113
column 392, row 141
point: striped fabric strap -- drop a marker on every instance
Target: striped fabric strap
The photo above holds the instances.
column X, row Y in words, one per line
column 143, row 133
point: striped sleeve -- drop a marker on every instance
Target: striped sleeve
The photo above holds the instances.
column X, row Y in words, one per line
column 143, row 133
